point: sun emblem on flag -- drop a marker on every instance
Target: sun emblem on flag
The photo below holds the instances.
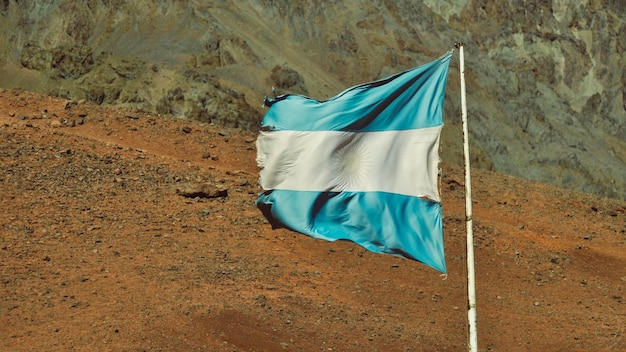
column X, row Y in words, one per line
column 352, row 163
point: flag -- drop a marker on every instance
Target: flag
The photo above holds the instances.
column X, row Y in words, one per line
column 361, row 166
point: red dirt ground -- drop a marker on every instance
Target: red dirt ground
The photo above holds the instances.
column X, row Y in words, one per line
column 100, row 251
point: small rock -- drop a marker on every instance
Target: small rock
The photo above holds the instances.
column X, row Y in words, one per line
column 203, row 190
column 187, row 129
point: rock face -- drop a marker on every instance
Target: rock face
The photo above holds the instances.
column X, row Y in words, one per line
column 546, row 81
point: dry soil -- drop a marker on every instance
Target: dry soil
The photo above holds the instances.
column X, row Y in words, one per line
column 126, row 231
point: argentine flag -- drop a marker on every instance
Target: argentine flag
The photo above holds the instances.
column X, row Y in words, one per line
column 361, row 166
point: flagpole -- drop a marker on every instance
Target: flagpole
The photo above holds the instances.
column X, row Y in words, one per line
column 471, row 285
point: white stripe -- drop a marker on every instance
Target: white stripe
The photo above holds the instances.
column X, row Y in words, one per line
column 402, row 162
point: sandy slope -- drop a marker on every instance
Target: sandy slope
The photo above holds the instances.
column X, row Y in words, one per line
column 99, row 251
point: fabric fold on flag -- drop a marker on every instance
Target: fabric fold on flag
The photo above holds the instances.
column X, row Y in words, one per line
column 361, row 166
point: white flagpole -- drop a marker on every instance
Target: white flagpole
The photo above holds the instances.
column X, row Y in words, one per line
column 471, row 286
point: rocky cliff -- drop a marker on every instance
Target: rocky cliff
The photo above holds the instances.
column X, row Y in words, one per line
column 546, row 80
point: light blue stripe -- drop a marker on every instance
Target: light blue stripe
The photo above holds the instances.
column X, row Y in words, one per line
column 380, row 222
column 409, row 100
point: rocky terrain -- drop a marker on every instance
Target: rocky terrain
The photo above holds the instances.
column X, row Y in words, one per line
column 121, row 230
column 546, row 80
